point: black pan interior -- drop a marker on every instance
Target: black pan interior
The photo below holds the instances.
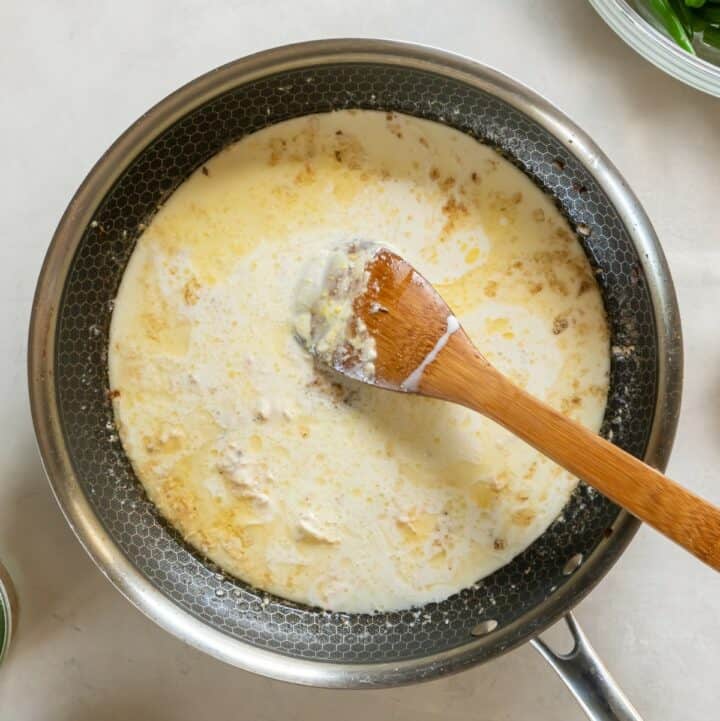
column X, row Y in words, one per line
column 105, row 473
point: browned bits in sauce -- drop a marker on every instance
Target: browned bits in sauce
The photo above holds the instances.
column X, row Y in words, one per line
column 338, row 156
column 434, row 173
column 559, row 325
column 523, row 517
column 337, row 392
column 563, row 235
column 306, row 175
column 394, row 127
column 190, row 292
column 535, row 288
column 499, row 544
column 452, row 207
column 475, row 177
column 453, row 211
column 423, row 141
column 205, row 171
column 490, row 289
column 539, row 215
column 338, row 132
column 277, row 147
column 113, row 394
column 446, row 184
column 503, row 202
column 570, row 404
column 585, row 285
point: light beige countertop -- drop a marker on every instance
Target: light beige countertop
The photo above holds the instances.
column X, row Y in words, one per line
column 76, row 74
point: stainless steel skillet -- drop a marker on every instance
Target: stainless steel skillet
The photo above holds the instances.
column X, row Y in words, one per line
column 146, row 559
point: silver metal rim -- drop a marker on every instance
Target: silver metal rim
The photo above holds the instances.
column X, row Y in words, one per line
column 8, row 610
column 58, row 465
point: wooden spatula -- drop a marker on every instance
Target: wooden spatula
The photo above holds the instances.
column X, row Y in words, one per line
column 421, row 348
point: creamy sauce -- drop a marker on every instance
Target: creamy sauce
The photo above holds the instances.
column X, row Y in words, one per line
column 324, row 491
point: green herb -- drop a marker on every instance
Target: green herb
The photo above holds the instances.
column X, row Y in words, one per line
column 683, row 18
column 685, row 15
column 711, row 14
column 672, row 23
column 698, row 24
column 711, row 36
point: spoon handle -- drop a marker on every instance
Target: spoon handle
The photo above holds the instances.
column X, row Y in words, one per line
column 465, row 377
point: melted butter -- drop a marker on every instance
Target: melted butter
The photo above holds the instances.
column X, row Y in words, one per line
column 332, row 493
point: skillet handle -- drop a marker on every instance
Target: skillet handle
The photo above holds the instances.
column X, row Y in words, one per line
column 588, row 679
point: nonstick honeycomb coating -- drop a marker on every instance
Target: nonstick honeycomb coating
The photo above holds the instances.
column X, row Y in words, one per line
column 105, row 473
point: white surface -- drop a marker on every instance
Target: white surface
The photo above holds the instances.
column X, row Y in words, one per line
column 74, row 75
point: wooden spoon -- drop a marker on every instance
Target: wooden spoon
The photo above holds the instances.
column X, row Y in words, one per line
column 421, row 348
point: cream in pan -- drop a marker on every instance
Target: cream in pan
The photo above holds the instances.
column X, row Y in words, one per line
column 315, row 489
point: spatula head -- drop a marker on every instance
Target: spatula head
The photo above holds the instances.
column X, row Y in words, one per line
column 372, row 317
